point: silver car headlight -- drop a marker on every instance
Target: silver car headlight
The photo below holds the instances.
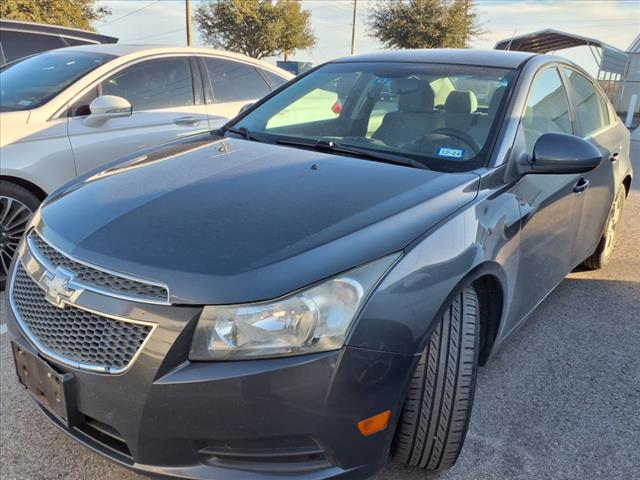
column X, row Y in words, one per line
column 315, row 319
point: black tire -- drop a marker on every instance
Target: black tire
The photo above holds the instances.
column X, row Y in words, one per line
column 17, row 204
column 604, row 250
column 434, row 421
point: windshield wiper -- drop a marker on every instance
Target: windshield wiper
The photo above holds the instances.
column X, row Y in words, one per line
column 244, row 132
column 333, row 147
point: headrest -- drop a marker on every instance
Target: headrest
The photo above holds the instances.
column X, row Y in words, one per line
column 415, row 95
column 496, row 98
column 461, row 101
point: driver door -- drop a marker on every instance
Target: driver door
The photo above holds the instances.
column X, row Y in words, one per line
column 550, row 205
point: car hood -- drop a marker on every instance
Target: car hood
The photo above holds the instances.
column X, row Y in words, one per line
column 225, row 221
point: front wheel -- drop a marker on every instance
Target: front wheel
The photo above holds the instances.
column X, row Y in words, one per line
column 604, row 250
column 17, row 204
column 434, row 420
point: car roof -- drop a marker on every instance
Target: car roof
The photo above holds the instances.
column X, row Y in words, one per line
column 138, row 51
column 456, row 56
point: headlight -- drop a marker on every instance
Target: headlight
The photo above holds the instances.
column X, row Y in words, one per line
column 312, row 320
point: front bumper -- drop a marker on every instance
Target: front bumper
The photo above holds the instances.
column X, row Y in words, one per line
column 292, row 417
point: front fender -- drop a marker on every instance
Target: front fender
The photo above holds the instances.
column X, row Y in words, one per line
column 481, row 239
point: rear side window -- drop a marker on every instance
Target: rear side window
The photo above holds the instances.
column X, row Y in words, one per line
column 234, row 81
column 591, row 108
column 154, row 84
column 547, row 109
column 16, row 45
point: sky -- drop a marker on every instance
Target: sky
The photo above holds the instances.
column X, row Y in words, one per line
column 616, row 22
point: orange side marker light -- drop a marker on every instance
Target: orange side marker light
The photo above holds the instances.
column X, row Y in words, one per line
column 374, row 424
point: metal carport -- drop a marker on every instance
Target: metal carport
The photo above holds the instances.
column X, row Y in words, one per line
column 612, row 62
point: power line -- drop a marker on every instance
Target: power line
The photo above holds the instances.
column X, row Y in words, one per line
column 130, row 13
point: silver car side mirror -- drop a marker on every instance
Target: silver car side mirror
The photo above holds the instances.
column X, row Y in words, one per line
column 105, row 107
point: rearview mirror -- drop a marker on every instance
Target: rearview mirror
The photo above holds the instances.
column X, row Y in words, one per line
column 105, row 107
column 561, row 153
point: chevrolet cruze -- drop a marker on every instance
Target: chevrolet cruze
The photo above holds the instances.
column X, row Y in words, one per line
column 310, row 288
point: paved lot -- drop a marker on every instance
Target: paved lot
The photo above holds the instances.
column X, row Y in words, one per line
column 561, row 400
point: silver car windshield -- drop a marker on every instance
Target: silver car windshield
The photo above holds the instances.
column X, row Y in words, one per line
column 33, row 81
column 440, row 115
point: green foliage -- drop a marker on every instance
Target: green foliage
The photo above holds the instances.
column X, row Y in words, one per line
column 424, row 23
column 257, row 28
column 67, row 13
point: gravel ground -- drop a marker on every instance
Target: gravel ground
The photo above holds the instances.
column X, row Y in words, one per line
column 559, row 401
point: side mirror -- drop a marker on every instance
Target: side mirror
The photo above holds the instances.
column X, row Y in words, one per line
column 105, row 107
column 246, row 106
column 561, row 153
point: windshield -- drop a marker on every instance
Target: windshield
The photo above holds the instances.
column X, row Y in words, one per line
column 31, row 82
column 441, row 115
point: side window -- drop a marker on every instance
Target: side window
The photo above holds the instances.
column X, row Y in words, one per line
column 547, row 109
column 154, row 84
column 591, row 109
column 20, row 44
column 273, row 79
column 234, row 81
column 604, row 107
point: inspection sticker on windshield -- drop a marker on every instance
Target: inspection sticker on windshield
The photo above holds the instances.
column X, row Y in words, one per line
column 451, row 152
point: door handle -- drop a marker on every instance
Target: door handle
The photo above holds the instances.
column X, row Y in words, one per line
column 581, row 186
column 186, row 121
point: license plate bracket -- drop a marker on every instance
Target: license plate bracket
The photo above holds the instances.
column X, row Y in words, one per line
column 53, row 390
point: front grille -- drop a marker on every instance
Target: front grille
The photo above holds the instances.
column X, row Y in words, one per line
column 75, row 334
column 90, row 276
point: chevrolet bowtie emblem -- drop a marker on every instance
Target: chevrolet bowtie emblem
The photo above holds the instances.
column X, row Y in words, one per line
column 57, row 288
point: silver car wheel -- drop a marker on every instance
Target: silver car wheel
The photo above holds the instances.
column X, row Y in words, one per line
column 612, row 224
column 14, row 217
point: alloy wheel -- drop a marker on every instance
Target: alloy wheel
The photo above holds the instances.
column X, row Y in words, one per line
column 612, row 224
column 14, row 217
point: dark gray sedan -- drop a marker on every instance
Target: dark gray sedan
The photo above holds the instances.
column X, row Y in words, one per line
column 312, row 287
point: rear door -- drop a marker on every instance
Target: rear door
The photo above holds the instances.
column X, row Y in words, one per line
column 167, row 101
column 594, row 124
column 229, row 86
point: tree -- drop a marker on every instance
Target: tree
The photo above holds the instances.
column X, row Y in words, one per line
column 67, row 13
column 424, row 23
column 257, row 28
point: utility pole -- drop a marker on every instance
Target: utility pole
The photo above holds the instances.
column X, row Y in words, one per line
column 353, row 28
column 187, row 6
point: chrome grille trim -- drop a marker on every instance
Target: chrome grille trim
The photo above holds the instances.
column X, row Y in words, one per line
column 18, row 269
column 50, row 258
